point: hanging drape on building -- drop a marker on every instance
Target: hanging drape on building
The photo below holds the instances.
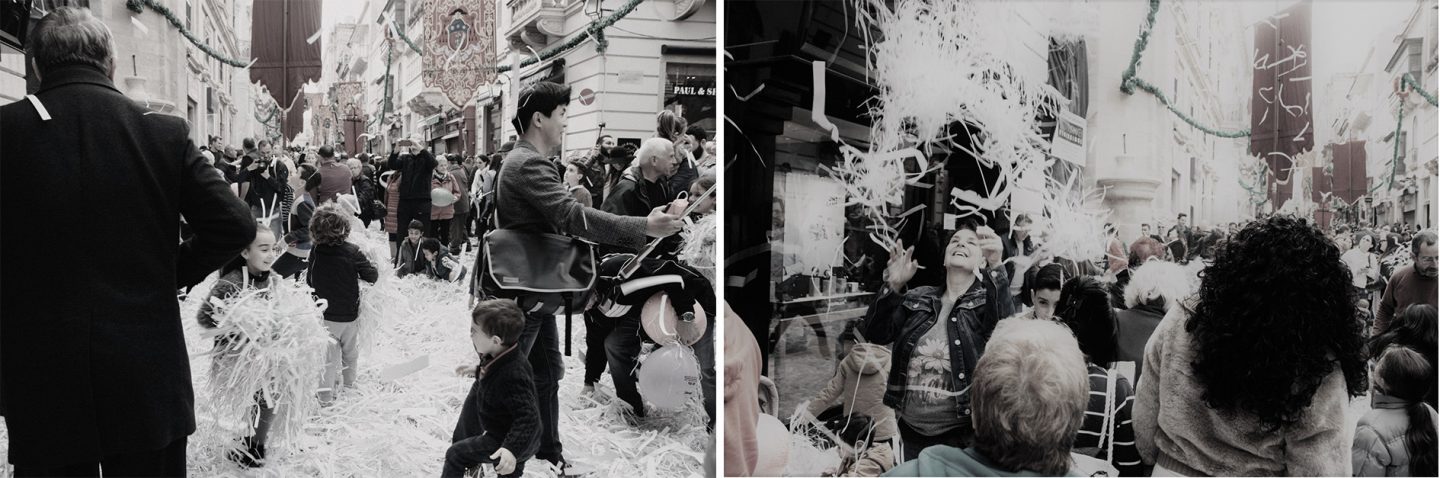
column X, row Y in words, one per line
column 284, row 60
column 1069, row 73
column 1280, row 103
column 1350, row 181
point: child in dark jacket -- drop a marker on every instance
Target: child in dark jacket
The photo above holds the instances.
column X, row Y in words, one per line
column 440, row 265
column 249, row 270
column 410, row 260
column 336, row 269
column 500, row 420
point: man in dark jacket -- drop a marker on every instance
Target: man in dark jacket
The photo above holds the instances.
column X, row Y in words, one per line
column 531, row 197
column 938, row 335
column 415, row 169
column 94, row 374
column 262, row 182
column 642, row 189
column 597, row 168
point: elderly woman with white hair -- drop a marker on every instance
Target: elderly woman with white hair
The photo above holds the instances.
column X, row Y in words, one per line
column 1028, row 398
column 1154, row 288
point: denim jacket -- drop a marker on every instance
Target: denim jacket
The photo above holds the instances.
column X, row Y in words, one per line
column 902, row 319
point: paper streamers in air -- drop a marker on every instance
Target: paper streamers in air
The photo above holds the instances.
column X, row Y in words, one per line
column 944, row 86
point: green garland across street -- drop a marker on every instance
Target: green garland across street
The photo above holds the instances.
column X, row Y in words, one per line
column 1129, row 81
column 138, row 6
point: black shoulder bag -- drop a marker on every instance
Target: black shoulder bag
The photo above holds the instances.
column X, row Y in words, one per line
column 543, row 273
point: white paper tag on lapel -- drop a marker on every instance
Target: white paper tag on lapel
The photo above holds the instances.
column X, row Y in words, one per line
column 40, row 108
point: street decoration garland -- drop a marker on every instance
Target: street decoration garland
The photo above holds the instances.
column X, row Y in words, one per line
column 138, row 6
column 1414, row 85
column 401, row 32
column 1129, row 81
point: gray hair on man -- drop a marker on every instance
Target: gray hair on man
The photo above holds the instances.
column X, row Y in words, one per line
column 1029, row 396
column 72, row 36
column 654, row 147
column 1158, row 282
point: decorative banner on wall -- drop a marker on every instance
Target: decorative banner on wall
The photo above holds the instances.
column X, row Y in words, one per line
column 459, row 47
column 348, row 99
column 1280, row 103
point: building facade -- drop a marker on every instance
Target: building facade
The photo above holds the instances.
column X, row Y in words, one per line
column 157, row 66
column 1400, row 150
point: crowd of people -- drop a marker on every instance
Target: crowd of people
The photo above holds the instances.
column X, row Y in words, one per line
column 266, row 217
column 1199, row 353
column 434, row 209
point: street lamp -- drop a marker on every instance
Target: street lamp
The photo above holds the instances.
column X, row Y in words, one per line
column 593, row 10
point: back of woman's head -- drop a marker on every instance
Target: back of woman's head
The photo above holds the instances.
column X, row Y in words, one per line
column 669, row 125
column 1275, row 315
column 1160, row 283
column 1085, row 308
column 1028, row 396
column 1403, row 373
column 1413, row 327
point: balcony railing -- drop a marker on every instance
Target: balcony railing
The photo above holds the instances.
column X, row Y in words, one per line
column 537, row 22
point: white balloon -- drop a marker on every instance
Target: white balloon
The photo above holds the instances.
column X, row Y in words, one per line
column 669, row 377
column 441, row 197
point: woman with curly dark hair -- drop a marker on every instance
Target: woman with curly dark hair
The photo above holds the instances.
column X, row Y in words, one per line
column 1253, row 375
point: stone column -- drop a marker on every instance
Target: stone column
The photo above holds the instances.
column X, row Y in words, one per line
column 1129, row 193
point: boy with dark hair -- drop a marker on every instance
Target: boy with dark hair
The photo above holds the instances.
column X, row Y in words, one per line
column 500, row 421
column 440, row 265
column 410, row 260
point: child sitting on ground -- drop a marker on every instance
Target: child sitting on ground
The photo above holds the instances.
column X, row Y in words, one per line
column 336, row 269
column 500, row 420
column 249, row 270
column 439, row 264
column 409, row 260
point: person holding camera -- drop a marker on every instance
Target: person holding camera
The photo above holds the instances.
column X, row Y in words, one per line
column 262, row 184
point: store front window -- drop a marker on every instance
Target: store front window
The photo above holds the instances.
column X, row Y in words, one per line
column 690, row 92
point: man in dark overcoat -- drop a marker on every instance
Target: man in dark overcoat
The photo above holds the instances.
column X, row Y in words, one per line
column 94, row 375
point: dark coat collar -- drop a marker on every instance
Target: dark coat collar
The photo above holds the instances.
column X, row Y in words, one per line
column 73, row 74
column 496, row 360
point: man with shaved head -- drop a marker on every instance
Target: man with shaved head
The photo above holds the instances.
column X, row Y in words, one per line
column 644, row 186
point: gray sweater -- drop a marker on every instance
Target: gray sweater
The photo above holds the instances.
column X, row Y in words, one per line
column 532, row 197
column 1176, row 430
